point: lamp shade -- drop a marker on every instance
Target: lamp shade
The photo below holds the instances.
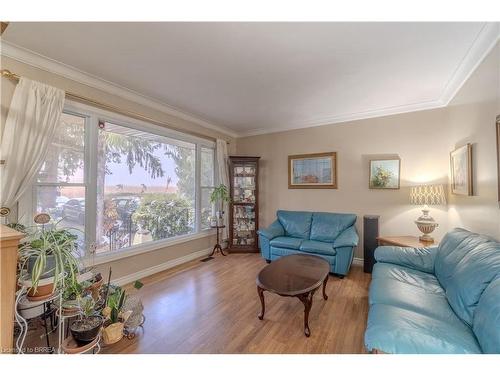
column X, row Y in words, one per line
column 427, row 194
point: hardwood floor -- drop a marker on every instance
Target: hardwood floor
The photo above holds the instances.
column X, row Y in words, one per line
column 212, row 307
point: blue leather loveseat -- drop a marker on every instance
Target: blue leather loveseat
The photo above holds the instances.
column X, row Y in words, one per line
column 442, row 299
column 329, row 235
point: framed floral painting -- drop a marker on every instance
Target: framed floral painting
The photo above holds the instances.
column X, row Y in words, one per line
column 461, row 170
column 384, row 174
column 312, row 171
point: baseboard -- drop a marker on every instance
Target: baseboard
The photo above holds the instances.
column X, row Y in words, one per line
column 160, row 267
column 358, row 261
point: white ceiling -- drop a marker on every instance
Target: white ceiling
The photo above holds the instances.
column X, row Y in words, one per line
column 259, row 77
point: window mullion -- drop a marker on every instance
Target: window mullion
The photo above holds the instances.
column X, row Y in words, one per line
column 91, row 179
column 198, row 188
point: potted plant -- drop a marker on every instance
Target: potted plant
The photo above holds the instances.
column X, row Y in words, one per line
column 115, row 317
column 220, row 195
column 86, row 329
column 47, row 258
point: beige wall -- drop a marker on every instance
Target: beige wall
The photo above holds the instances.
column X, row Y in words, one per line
column 143, row 261
column 422, row 140
column 471, row 119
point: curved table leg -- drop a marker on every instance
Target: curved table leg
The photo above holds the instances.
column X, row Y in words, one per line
column 325, row 297
column 307, row 299
column 260, row 291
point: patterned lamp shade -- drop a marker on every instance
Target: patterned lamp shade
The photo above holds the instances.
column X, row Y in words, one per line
column 427, row 194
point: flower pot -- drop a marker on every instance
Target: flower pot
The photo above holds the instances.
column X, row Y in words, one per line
column 113, row 333
column 85, row 330
column 28, row 309
column 44, row 289
column 96, row 286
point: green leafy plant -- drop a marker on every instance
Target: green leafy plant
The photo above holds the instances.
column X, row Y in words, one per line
column 115, row 303
column 220, row 195
column 87, row 306
column 41, row 243
column 164, row 215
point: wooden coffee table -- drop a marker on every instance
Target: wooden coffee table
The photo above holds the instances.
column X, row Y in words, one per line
column 297, row 275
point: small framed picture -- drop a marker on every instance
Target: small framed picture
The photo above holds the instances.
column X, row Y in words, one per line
column 384, row 174
column 461, row 170
column 312, row 171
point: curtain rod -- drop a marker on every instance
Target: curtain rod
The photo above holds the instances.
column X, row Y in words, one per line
column 82, row 99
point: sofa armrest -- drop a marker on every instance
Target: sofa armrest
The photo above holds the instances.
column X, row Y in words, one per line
column 421, row 258
column 349, row 238
column 274, row 230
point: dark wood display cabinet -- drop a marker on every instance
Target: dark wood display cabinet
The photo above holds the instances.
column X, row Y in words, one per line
column 244, row 206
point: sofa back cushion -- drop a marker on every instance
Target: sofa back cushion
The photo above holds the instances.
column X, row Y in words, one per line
column 327, row 226
column 452, row 249
column 486, row 323
column 295, row 223
column 472, row 276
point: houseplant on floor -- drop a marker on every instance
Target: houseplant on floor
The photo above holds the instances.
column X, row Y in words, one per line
column 115, row 316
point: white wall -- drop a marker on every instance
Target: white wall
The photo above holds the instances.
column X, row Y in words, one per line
column 422, row 140
column 471, row 119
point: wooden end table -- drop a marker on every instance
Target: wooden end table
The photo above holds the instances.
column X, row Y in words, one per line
column 297, row 275
column 217, row 246
column 404, row 241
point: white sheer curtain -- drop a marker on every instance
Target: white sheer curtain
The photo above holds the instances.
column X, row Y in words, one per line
column 31, row 123
column 223, row 173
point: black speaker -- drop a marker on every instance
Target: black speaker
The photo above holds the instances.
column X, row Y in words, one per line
column 370, row 242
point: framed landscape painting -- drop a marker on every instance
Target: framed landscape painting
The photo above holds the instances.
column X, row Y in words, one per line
column 384, row 174
column 461, row 170
column 312, row 171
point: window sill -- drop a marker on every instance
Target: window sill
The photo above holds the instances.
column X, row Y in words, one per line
column 146, row 248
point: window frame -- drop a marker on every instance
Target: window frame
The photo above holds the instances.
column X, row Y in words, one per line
column 93, row 116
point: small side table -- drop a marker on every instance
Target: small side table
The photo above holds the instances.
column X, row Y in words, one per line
column 404, row 241
column 217, row 246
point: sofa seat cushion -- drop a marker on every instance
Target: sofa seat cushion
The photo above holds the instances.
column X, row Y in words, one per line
column 412, row 298
column 318, row 247
column 287, row 242
column 410, row 276
column 396, row 330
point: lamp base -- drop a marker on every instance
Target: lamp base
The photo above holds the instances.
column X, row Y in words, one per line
column 426, row 225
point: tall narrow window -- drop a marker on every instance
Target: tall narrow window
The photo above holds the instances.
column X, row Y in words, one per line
column 207, row 185
column 60, row 186
column 145, row 187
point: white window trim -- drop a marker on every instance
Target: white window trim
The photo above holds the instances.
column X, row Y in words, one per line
column 93, row 115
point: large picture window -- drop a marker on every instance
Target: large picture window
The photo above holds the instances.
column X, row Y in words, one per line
column 142, row 184
column 145, row 187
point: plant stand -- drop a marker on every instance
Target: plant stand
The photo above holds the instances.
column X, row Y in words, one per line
column 217, row 246
column 70, row 346
column 47, row 314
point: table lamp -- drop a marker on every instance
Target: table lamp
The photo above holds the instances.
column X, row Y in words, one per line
column 427, row 195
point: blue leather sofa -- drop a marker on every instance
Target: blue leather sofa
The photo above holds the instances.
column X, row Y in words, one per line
column 443, row 299
column 328, row 235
